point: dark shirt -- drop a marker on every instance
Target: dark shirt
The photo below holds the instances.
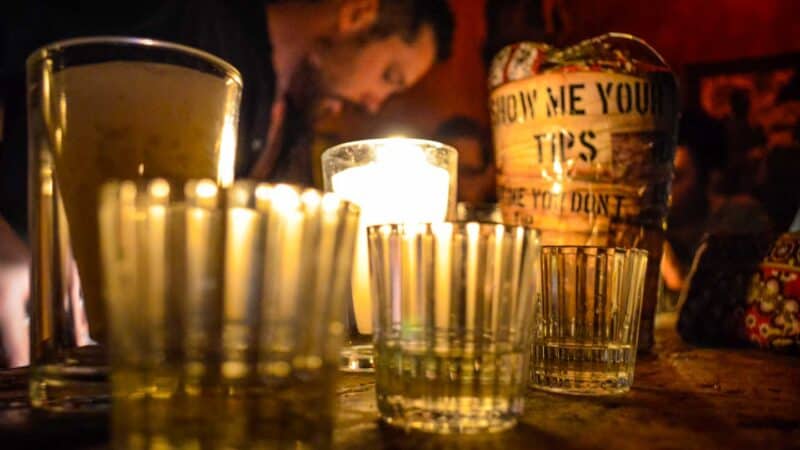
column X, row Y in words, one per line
column 235, row 30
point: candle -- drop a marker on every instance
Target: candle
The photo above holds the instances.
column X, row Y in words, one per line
column 399, row 185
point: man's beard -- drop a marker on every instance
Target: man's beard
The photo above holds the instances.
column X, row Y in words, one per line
column 309, row 93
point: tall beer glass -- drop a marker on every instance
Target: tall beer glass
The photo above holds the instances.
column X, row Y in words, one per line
column 102, row 108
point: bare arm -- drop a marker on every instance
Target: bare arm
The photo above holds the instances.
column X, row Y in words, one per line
column 14, row 292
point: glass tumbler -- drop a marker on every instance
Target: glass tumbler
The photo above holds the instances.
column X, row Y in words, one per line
column 394, row 180
column 455, row 308
column 588, row 319
column 225, row 308
column 102, row 108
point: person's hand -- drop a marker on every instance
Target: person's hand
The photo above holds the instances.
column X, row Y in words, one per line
column 671, row 270
column 14, row 293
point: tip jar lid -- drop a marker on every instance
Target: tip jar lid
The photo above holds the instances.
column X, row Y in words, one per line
column 614, row 52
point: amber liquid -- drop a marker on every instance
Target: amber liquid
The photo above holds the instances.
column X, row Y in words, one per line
column 126, row 120
column 90, row 124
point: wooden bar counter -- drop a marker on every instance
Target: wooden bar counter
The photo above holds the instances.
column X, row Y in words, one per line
column 683, row 398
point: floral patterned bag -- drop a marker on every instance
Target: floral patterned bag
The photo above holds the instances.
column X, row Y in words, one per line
column 773, row 301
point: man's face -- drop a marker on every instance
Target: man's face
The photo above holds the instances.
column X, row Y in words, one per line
column 367, row 73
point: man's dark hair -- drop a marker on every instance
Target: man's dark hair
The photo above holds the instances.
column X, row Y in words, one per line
column 408, row 16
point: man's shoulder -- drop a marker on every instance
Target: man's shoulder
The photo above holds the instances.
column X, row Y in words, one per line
column 229, row 29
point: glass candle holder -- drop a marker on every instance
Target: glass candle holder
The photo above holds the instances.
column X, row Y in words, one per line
column 100, row 108
column 455, row 308
column 588, row 319
column 394, row 180
column 225, row 306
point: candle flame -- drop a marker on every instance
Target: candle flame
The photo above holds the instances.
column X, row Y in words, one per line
column 400, row 152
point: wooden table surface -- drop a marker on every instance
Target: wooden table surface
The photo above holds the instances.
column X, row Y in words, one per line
column 683, row 398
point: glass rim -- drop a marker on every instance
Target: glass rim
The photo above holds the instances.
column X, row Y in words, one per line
column 42, row 53
column 143, row 186
column 461, row 224
column 599, row 248
column 332, row 152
